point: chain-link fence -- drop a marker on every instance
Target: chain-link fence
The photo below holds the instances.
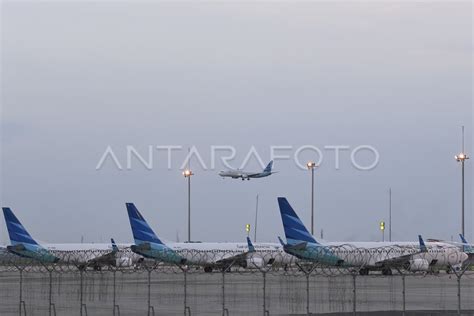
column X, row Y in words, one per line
column 130, row 285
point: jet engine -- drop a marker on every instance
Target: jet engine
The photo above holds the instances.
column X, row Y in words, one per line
column 418, row 265
column 123, row 262
column 254, row 263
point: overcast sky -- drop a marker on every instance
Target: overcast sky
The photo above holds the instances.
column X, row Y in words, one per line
column 79, row 77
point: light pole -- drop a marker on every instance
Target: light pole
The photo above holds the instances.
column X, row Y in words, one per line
column 187, row 174
column 256, row 220
column 311, row 166
column 390, row 214
column 461, row 157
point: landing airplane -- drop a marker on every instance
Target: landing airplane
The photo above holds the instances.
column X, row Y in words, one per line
column 239, row 174
column 209, row 255
column 83, row 256
column 366, row 255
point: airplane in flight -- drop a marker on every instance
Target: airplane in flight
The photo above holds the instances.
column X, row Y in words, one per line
column 240, row 174
column 367, row 256
column 209, row 255
column 81, row 255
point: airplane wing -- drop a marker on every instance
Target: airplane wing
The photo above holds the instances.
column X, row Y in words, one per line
column 404, row 259
column 107, row 259
column 232, row 259
column 238, row 259
column 248, row 174
column 236, row 175
column 396, row 261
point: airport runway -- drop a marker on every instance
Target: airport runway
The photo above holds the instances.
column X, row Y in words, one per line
column 243, row 293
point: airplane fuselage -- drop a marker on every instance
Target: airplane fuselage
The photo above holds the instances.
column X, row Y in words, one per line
column 216, row 254
column 380, row 254
column 209, row 253
column 243, row 175
column 79, row 254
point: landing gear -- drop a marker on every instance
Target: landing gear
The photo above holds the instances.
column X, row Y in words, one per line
column 364, row 271
column 386, row 271
column 208, row 269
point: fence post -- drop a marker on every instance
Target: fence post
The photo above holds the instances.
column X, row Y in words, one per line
column 83, row 306
column 265, row 311
column 458, row 277
column 354, row 294
column 80, row 295
column 187, row 309
column 307, row 294
column 307, row 273
column 22, row 306
column 114, row 293
column 116, row 306
column 403, row 295
column 150, row 307
column 52, row 307
column 225, row 311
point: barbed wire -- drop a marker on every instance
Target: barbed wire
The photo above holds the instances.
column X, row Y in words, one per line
column 350, row 260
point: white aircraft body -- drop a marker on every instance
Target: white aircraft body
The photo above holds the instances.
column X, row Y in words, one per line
column 367, row 255
column 208, row 255
column 240, row 174
column 94, row 255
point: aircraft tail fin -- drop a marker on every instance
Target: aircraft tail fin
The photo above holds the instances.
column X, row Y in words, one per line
column 422, row 244
column 295, row 231
column 269, row 167
column 114, row 245
column 142, row 232
column 250, row 245
column 467, row 248
column 16, row 231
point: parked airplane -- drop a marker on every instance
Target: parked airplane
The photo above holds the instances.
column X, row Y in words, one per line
column 209, row 255
column 239, row 174
column 464, row 245
column 83, row 256
column 366, row 255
